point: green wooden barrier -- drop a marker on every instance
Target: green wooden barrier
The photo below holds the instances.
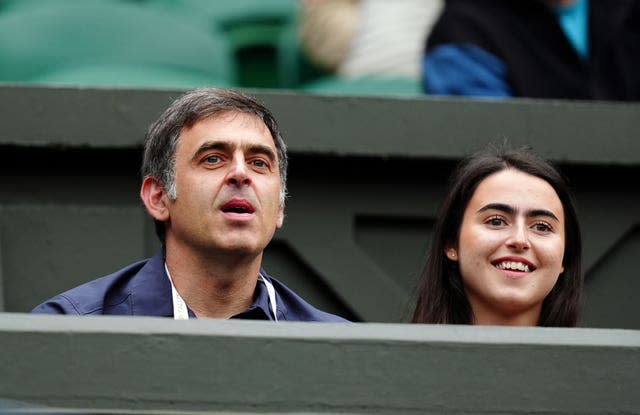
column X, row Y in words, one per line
column 128, row 365
column 366, row 178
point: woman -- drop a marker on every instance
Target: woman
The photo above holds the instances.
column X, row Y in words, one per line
column 506, row 248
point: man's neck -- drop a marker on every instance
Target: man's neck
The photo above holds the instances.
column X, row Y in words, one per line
column 211, row 287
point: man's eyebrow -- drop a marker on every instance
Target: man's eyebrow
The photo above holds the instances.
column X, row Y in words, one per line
column 511, row 210
column 262, row 149
column 212, row 145
column 227, row 146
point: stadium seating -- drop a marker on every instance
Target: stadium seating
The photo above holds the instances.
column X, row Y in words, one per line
column 167, row 43
column 109, row 42
column 252, row 27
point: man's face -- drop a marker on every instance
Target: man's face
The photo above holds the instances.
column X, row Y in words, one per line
column 228, row 187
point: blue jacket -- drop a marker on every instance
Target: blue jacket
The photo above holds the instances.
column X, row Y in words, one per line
column 502, row 48
column 143, row 289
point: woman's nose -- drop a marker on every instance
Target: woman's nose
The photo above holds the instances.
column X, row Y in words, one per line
column 519, row 238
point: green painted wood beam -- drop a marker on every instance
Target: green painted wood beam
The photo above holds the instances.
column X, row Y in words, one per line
column 423, row 127
column 154, row 365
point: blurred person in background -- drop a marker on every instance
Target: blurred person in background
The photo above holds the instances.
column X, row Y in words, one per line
column 565, row 49
column 365, row 38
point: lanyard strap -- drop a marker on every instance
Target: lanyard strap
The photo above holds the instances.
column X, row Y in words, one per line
column 271, row 291
column 180, row 311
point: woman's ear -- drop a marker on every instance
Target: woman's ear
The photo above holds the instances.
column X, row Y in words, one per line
column 451, row 253
column 155, row 198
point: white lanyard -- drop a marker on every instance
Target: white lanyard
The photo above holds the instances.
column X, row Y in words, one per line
column 180, row 311
column 271, row 291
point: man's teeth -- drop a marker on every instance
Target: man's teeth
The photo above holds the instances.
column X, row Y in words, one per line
column 517, row 266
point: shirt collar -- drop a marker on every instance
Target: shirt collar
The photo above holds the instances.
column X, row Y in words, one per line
column 151, row 294
column 151, row 291
column 260, row 309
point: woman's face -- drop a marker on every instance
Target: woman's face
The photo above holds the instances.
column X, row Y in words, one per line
column 510, row 248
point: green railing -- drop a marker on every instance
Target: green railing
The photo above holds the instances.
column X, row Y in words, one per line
column 115, row 365
column 366, row 178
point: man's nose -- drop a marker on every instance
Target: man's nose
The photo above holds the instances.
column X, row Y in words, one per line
column 238, row 174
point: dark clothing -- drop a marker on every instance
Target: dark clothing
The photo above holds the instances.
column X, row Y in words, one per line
column 143, row 289
column 528, row 52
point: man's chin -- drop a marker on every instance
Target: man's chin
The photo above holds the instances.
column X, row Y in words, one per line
column 241, row 248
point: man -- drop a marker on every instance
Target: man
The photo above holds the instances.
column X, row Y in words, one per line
column 566, row 49
column 214, row 182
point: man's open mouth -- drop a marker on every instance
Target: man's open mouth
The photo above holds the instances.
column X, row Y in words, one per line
column 238, row 206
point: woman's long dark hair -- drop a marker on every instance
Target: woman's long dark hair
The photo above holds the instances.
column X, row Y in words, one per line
column 441, row 296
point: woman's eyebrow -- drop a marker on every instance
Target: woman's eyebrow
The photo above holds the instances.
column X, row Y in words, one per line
column 511, row 210
column 498, row 206
column 542, row 212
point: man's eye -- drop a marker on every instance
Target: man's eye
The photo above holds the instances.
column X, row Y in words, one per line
column 212, row 159
column 259, row 163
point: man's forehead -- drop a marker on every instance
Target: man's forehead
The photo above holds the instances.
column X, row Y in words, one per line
column 228, row 115
column 242, row 118
column 228, row 129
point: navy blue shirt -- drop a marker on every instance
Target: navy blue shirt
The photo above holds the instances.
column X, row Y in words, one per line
column 143, row 289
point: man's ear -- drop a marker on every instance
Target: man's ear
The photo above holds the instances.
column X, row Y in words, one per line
column 155, row 199
column 280, row 218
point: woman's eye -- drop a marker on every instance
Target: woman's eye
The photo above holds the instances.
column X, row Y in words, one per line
column 542, row 227
column 495, row 221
